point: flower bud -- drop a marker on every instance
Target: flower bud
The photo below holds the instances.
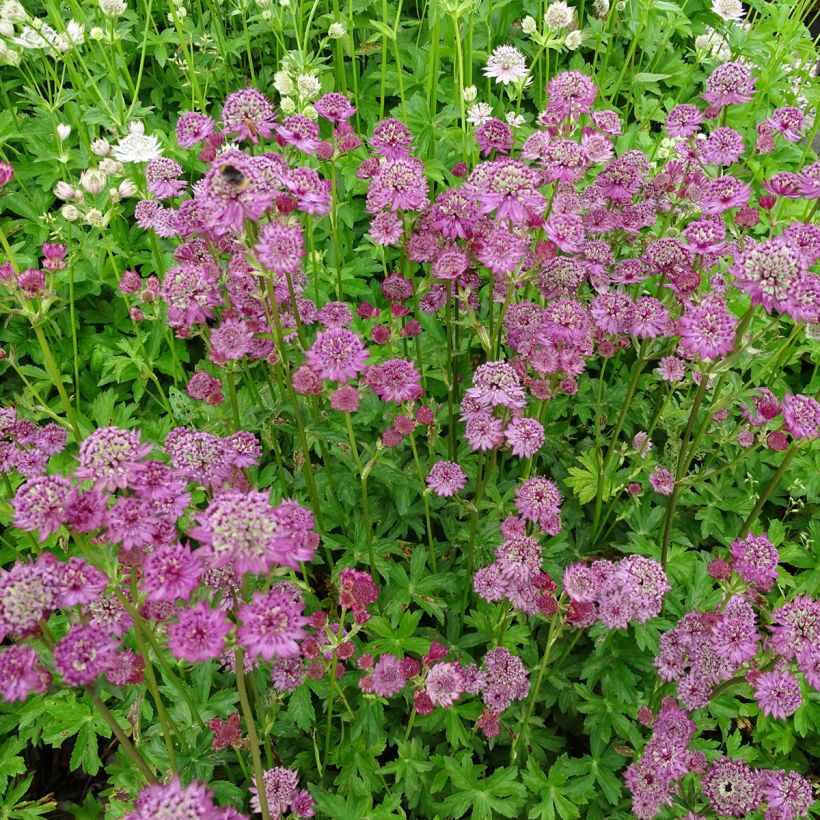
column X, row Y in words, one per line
column 94, row 217
column 336, row 31
column 112, row 167
column 70, row 213
column 529, row 26
column 127, row 188
column 93, row 180
column 470, row 93
column 101, row 147
column 63, row 131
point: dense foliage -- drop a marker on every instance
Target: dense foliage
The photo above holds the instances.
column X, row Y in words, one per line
column 409, row 410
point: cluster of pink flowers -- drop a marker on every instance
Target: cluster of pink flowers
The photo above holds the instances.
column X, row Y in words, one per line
column 516, row 574
column 615, row 593
column 174, row 799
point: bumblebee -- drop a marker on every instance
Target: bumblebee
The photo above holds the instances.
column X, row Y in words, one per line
column 231, row 175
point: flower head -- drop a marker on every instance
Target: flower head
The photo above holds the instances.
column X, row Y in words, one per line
column 506, row 65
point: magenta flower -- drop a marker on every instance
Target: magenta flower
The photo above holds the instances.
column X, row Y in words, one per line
column 707, row 330
column 391, row 139
column 769, row 271
column 538, row 499
column 84, row 654
column 271, row 625
column 662, row 481
column 280, row 790
column 571, row 94
column 787, row 794
column 510, row 188
column 192, row 128
column 40, row 504
column 444, row 684
column 301, row 132
column 801, row 416
column 723, row 194
column 728, row 84
column 171, row 571
column 198, row 634
column 172, row 799
column 683, row 121
column 724, row 146
column 81, row 583
column 755, row 559
column 506, row 679
column 395, row 380
column 109, row 456
column 519, row 557
column 248, row 114
column 21, row 673
column 496, row 383
column 484, row 432
column 446, row 478
column 525, row 436
column 777, row 693
column 281, row 247
column 337, row 354
column 797, row 626
column 334, row 107
column 399, row 185
column 388, row 677
column 494, row 135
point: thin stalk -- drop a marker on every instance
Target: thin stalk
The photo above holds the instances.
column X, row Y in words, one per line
column 426, row 500
column 770, row 488
column 552, row 637
column 368, row 528
column 130, row 750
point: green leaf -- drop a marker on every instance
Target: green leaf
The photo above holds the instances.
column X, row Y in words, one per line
column 300, row 708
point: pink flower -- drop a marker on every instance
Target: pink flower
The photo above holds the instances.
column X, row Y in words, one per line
column 271, row 625
column 337, row 354
column 446, row 478
column 198, row 634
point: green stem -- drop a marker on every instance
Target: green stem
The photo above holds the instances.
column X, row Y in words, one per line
column 426, row 500
column 770, row 488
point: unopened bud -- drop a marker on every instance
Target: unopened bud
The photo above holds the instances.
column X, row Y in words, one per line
column 127, row 188
column 62, row 190
column 101, row 147
column 70, row 213
column 93, row 180
column 63, row 131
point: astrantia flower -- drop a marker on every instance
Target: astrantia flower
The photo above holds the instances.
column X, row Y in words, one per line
column 109, row 456
column 248, row 114
column 525, row 436
column 446, row 478
column 385, row 228
column 494, row 135
column 243, row 529
column 135, row 146
column 777, row 693
column 391, row 139
column 558, row 15
column 334, row 107
column 192, row 128
column 233, row 190
column 280, row 790
column 198, row 634
column 787, row 794
column 519, row 557
column 506, row 65
column 173, row 801
column 496, row 383
column 281, row 247
column 797, row 626
column 662, row 481
column 506, row 679
column 755, row 559
column 231, row 340
column 337, row 354
column 484, row 431
column 683, row 121
column 21, row 673
column 171, row 571
column 571, row 94
column 272, row 624
column 81, row 583
column 723, row 194
column 707, row 330
column 40, row 504
column 84, row 654
column 444, row 684
column 395, row 380
column 538, row 499
column 387, row 678
column 768, row 271
column 728, row 84
column 162, row 176
column 729, row 10
column 732, row 787
column 724, row 146
column 399, row 185
column 801, row 416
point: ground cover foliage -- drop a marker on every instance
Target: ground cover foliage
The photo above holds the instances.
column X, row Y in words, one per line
column 409, row 409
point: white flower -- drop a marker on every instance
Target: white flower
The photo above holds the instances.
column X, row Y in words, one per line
column 336, row 31
column 715, row 43
column 283, row 83
column 75, row 32
column 10, row 55
column 559, row 15
column 507, row 65
column 470, row 93
column 96, row 33
column 601, row 7
column 574, row 40
column 529, row 26
column 308, row 86
column 287, row 106
column 112, row 8
column 6, row 28
column 729, row 10
column 13, row 11
column 135, row 146
column 95, row 218
column 37, row 36
column 513, row 119
column 63, row 131
column 101, row 147
column 479, row 114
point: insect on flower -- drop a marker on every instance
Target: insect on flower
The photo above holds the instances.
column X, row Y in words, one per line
column 231, row 175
